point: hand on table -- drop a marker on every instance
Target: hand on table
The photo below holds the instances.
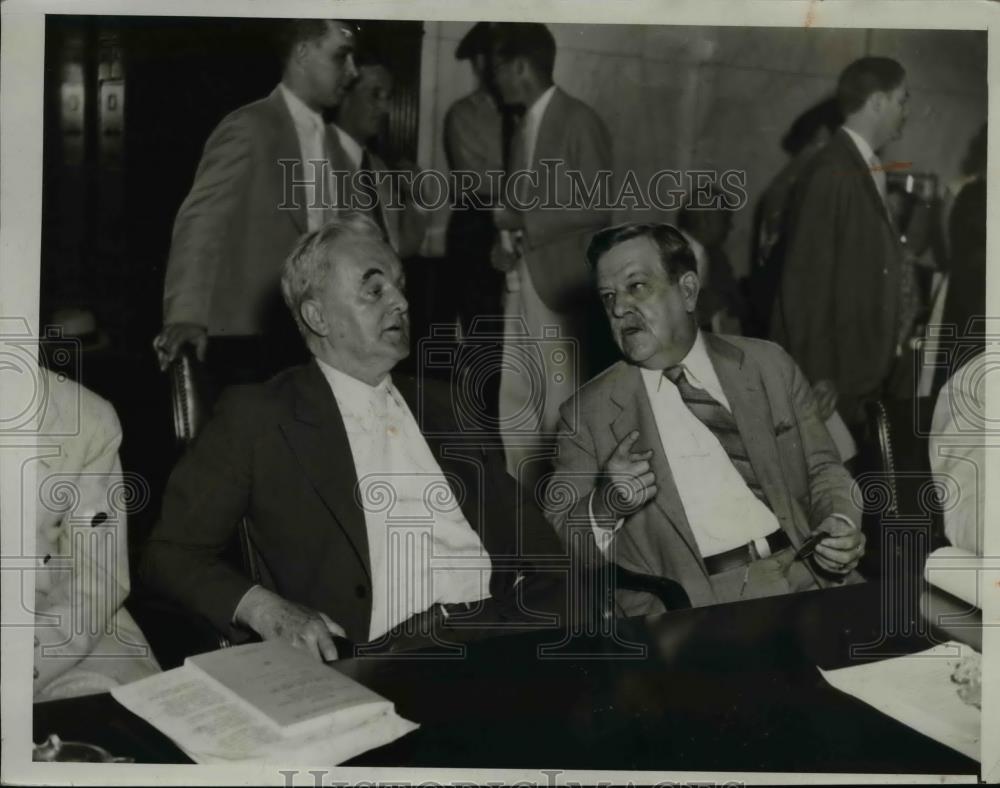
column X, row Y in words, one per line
column 839, row 552
column 627, row 481
column 174, row 336
column 275, row 618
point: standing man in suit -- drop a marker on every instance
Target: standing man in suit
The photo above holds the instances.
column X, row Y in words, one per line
column 541, row 248
column 366, row 506
column 360, row 118
column 477, row 130
column 838, row 308
column 262, row 181
column 700, row 457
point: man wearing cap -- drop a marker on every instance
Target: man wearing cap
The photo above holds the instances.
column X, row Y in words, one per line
column 263, row 180
column 700, row 458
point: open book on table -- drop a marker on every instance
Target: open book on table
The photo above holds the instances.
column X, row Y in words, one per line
column 263, row 702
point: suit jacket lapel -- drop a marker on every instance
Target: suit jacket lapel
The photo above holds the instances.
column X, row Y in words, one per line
column 288, row 149
column 635, row 413
column 751, row 410
column 853, row 155
column 550, row 130
column 318, row 438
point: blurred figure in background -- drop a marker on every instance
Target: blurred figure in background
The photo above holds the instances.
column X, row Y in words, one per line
column 543, row 252
column 360, row 119
column 721, row 306
column 960, row 298
column 807, row 135
column 476, row 135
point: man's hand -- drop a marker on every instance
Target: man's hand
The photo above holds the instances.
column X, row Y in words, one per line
column 275, row 618
column 627, row 482
column 826, row 398
column 174, row 336
column 840, row 552
column 501, row 259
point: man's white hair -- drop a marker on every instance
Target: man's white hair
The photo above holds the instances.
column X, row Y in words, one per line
column 308, row 266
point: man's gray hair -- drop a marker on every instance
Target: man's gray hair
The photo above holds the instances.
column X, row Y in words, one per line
column 308, row 266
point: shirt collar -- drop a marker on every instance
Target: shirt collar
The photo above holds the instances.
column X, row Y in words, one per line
column 354, row 397
column 698, row 369
column 301, row 114
column 861, row 144
column 354, row 151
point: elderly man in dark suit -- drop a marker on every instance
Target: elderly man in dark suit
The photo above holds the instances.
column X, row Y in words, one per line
column 258, row 187
column 838, row 311
column 701, row 457
column 368, row 509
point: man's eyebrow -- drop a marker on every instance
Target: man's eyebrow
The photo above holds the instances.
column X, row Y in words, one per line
column 370, row 273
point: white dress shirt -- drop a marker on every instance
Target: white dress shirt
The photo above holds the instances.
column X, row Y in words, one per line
column 311, row 131
column 873, row 161
column 421, row 548
column 720, row 508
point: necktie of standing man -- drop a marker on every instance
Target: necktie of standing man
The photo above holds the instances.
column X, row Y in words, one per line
column 366, row 178
column 722, row 425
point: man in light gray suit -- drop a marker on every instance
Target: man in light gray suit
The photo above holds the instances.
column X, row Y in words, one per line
column 244, row 212
column 541, row 248
column 700, row 458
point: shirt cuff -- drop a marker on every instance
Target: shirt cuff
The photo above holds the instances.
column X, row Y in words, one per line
column 845, row 518
column 239, row 604
column 603, row 536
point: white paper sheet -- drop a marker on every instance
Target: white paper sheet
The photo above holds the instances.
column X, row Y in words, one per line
column 956, row 571
column 917, row 690
column 212, row 725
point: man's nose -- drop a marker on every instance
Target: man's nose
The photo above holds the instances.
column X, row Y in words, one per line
column 351, row 70
column 621, row 305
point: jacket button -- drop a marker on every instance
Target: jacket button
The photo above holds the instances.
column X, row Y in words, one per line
column 360, row 592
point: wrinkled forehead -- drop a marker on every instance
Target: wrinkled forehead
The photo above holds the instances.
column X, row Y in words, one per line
column 355, row 259
column 636, row 256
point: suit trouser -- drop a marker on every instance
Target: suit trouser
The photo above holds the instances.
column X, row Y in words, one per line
column 541, row 361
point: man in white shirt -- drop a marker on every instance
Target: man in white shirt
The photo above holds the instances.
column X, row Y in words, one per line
column 366, row 505
column 701, row 457
column 841, row 307
column 262, row 181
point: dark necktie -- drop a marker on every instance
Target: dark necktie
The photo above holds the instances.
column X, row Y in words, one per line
column 367, row 179
column 722, row 425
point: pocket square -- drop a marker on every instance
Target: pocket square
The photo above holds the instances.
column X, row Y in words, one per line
column 781, row 429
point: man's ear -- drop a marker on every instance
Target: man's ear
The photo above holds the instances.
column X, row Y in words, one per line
column 312, row 316
column 690, row 286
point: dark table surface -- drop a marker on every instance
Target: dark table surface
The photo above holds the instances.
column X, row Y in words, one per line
column 724, row 688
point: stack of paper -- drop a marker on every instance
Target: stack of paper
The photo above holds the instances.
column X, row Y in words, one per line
column 919, row 691
column 264, row 702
